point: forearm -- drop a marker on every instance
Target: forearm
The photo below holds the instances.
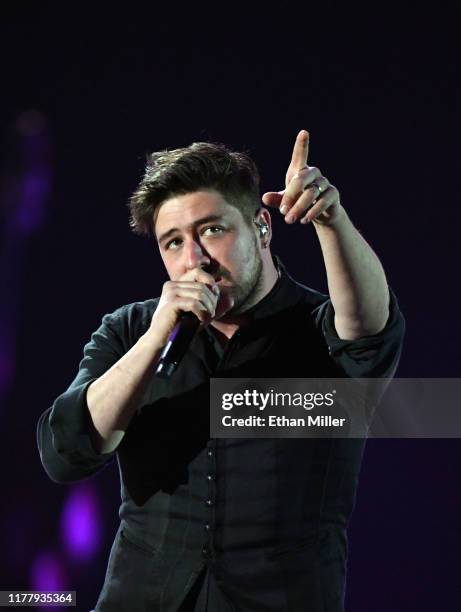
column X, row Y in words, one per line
column 356, row 280
column 113, row 398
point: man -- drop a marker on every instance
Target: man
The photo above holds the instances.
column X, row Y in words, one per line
column 226, row 524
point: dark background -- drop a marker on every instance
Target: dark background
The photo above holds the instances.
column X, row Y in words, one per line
column 85, row 96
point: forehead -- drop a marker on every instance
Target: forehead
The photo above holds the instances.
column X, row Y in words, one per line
column 183, row 210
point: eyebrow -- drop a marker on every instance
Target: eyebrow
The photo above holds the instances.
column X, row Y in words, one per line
column 201, row 221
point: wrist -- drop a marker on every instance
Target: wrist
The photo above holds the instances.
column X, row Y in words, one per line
column 337, row 223
column 152, row 340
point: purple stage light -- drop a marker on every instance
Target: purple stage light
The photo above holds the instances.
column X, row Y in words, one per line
column 35, row 186
column 47, row 573
column 24, row 194
column 36, row 180
column 7, row 364
column 81, row 523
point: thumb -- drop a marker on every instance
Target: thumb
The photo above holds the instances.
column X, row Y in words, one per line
column 225, row 303
column 273, row 198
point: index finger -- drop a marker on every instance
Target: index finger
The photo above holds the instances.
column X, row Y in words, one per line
column 300, row 150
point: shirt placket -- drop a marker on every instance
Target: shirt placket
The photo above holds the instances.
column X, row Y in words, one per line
column 208, row 549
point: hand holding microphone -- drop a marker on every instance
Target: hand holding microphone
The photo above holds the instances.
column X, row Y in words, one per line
column 186, row 304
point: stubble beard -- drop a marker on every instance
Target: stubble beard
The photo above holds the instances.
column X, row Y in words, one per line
column 247, row 293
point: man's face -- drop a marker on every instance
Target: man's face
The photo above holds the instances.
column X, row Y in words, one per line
column 200, row 229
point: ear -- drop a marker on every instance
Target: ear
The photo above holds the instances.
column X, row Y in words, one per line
column 263, row 223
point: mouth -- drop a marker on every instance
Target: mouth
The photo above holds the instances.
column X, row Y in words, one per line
column 223, row 281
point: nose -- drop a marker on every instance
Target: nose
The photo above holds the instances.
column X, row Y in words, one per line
column 195, row 257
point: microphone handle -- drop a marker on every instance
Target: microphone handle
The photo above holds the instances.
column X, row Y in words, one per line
column 177, row 344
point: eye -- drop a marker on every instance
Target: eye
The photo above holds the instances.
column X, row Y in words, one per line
column 212, row 230
column 214, row 227
column 168, row 245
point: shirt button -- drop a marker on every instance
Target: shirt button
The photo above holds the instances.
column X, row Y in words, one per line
column 207, row 526
column 205, row 551
column 209, row 502
column 210, row 477
column 210, row 453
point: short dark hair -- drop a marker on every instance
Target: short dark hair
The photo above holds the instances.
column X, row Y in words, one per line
column 201, row 165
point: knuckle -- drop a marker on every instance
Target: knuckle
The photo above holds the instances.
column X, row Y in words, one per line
column 203, row 276
column 289, row 197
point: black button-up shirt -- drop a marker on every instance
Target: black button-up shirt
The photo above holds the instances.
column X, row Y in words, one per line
column 267, row 517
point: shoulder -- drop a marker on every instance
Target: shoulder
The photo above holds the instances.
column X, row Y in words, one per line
column 311, row 296
column 306, row 297
column 135, row 311
column 130, row 321
column 292, row 292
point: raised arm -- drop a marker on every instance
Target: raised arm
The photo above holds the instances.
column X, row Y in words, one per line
column 356, row 280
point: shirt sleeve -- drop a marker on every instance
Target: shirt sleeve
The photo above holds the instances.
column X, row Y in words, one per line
column 375, row 356
column 63, row 430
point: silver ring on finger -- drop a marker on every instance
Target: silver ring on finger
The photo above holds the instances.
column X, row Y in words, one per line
column 314, row 184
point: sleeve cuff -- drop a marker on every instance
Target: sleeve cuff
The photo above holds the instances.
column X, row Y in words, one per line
column 376, row 355
column 70, row 426
column 337, row 344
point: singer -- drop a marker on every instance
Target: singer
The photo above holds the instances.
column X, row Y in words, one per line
column 223, row 525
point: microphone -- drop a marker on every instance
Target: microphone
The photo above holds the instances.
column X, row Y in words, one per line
column 177, row 344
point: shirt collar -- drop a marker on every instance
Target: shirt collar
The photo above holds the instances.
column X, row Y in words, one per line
column 283, row 294
column 286, row 292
